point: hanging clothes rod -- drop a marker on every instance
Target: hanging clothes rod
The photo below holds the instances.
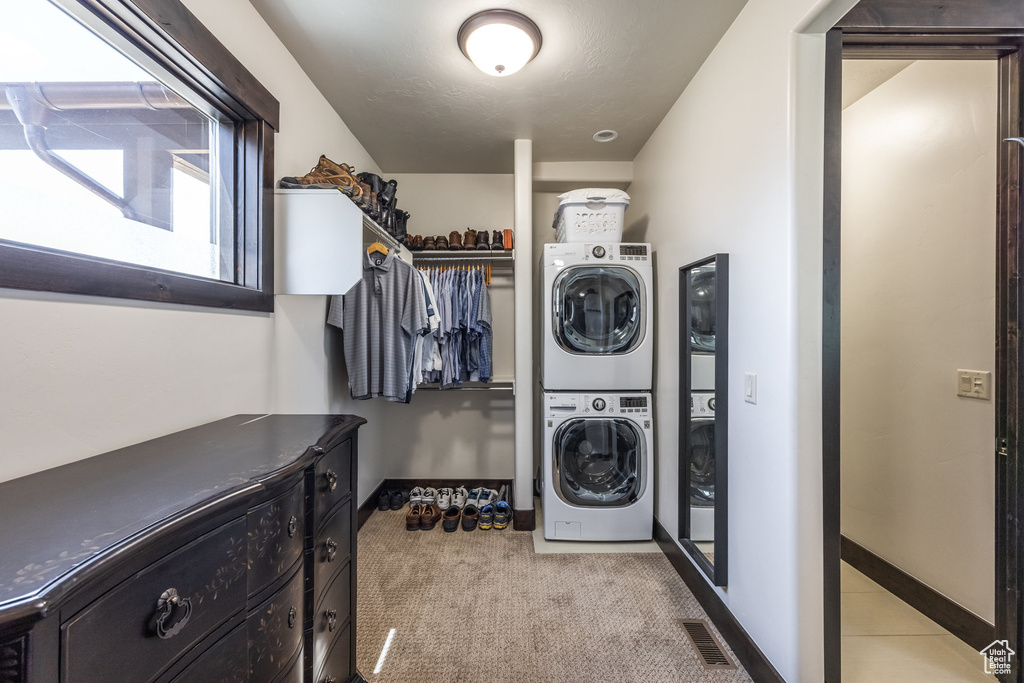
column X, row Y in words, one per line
column 436, row 257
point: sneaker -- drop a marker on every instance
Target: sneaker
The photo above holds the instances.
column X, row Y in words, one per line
column 327, row 174
column 444, row 498
column 429, row 518
column 487, row 497
column 470, row 515
column 502, row 493
column 429, row 496
column 473, row 497
column 397, row 500
column 416, row 496
column 486, row 517
column 384, row 502
column 412, row 520
column 502, row 515
column 450, row 520
column 459, row 497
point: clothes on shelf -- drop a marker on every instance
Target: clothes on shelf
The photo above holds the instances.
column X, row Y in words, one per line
column 405, row 326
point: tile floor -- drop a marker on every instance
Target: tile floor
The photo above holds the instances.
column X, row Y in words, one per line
column 887, row 641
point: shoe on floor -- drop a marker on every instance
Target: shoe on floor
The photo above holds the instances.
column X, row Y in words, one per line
column 502, row 493
column 414, row 518
column 444, row 498
column 450, row 520
column 470, row 516
column 397, row 499
column 459, row 497
column 486, row 517
column 384, row 502
column 502, row 515
column 429, row 518
column 429, row 496
column 487, row 497
column 416, row 496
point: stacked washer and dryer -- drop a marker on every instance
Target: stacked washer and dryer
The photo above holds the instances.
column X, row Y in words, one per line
column 597, row 357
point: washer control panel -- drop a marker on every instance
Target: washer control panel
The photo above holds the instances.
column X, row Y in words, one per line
column 633, row 405
column 702, row 404
column 562, row 254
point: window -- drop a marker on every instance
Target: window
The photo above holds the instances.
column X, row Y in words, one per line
column 127, row 167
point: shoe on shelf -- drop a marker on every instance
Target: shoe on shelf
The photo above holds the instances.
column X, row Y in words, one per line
column 497, row 242
column 441, row 242
column 430, row 516
column 416, row 243
column 416, row 496
column 327, row 174
column 470, row 516
column 429, row 496
column 428, row 243
column 459, row 497
column 455, row 241
column 397, row 500
column 414, row 517
column 502, row 515
column 469, row 239
column 444, row 498
column 450, row 520
column 482, row 241
column 384, row 502
column 486, row 517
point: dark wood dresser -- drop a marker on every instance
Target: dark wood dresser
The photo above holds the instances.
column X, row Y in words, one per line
column 221, row 553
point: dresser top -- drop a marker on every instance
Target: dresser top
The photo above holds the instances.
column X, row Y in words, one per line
column 59, row 519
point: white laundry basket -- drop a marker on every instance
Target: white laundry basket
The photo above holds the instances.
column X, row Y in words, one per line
column 590, row 215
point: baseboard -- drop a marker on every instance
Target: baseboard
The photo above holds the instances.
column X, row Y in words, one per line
column 962, row 623
column 525, row 520
column 370, row 504
column 750, row 656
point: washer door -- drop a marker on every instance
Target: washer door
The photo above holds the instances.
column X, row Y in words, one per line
column 702, row 309
column 702, row 463
column 597, row 462
column 598, row 310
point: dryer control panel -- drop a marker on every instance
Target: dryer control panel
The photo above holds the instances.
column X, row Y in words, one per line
column 563, row 254
column 634, row 405
column 702, row 404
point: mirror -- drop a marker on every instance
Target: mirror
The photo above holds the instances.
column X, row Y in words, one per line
column 703, row 413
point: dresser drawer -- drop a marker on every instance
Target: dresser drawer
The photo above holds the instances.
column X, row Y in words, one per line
column 338, row 666
column 275, row 631
column 331, row 615
column 333, row 479
column 225, row 662
column 276, row 532
column 133, row 632
column 332, row 548
column 294, row 671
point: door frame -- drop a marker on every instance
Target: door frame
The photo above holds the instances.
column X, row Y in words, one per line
column 884, row 40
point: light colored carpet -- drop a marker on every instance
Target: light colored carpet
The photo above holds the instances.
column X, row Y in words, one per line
column 481, row 606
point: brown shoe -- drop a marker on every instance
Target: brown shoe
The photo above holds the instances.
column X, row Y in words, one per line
column 469, row 239
column 496, row 241
column 455, row 240
column 431, row 514
column 327, row 174
column 416, row 243
column 414, row 518
column 482, row 240
column 441, row 242
column 428, row 243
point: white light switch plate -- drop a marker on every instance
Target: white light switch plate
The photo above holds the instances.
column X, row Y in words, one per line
column 750, row 387
column 974, row 384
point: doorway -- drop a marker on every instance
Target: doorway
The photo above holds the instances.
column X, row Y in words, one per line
column 884, row 41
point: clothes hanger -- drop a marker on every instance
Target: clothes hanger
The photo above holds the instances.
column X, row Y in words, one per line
column 377, row 247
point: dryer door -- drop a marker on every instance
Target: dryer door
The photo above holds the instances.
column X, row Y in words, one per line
column 598, row 310
column 597, row 462
column 702, row 309
column 702, row 462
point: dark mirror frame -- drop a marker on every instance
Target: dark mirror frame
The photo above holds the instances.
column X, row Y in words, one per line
column 717, row 572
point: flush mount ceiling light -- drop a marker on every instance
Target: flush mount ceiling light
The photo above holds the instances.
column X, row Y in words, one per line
column 605, row 135
column 499, row 41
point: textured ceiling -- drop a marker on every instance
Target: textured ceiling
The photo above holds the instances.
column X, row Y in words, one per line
column 393, row 70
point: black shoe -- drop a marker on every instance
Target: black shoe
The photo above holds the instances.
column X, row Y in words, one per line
column 450, row 520
column 397, row 501
column 384, row 502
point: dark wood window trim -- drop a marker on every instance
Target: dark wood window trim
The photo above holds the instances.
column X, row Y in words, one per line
column 167, row 32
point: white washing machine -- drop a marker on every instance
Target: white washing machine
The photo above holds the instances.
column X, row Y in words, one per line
column 702, row 466
column 598, row 317
column 597, row 477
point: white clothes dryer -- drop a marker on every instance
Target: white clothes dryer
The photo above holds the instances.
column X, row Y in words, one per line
column 598, row 313
column 597, row 477
column 702, row 466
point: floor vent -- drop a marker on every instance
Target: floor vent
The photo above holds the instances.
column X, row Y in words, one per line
column 712, row 656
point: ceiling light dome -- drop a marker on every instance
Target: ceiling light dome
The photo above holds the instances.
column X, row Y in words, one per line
column 499, row 41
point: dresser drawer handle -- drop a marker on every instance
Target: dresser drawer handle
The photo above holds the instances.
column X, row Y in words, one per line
column 172, row 613
column 292, row 616
column 293, row 525
column 332, row 480
column 332, row 619
column 332, row 549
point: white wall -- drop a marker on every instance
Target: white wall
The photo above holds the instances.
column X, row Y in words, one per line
column 456, row 434
column 918, row 300
column 84, row 375
column 736, row 167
